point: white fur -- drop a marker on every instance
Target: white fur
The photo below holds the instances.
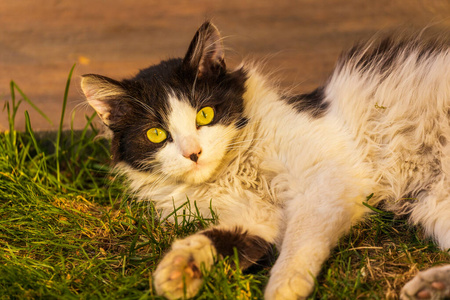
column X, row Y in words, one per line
column 300, row 181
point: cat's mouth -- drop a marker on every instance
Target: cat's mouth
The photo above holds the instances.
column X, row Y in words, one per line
column 198, row 167
column 199, row 171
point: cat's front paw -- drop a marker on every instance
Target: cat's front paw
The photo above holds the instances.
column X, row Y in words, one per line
column 289, row 285
column 179, row 275
column 431, row 284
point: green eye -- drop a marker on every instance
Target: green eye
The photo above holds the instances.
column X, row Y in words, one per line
column 205, row 116
column 156, row 135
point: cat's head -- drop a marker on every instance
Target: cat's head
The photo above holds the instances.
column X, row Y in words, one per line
column 176, row 119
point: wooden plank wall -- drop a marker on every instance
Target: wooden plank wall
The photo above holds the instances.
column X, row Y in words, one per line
column 299, row 40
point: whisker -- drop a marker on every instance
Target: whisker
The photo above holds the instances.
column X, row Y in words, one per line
column 246, row 141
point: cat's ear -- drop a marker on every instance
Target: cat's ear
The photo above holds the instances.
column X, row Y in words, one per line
column 104, row 95
column 206, row 53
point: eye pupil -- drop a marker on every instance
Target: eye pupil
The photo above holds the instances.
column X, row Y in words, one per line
column 205, row 116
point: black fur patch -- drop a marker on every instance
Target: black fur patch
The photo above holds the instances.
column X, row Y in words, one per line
column 313, row 103
column 251, row 249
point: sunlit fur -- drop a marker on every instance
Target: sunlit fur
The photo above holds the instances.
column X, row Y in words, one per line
column 299, row 179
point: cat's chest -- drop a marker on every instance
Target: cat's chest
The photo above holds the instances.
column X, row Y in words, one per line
column 241, row 177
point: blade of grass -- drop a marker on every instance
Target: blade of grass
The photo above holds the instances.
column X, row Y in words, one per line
column 30, row 132
column 15, row 86
column 58, row 137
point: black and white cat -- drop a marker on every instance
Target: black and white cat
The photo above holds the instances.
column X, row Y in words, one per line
column 292, row 171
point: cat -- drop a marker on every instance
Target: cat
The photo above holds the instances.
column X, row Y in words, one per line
column 286, row 170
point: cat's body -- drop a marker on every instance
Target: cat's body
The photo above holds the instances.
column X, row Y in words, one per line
column 292, row 171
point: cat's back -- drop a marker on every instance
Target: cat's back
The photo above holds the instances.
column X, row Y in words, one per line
column 383, row 115
column 393, row 96
column 391, row 78
column 384, row 112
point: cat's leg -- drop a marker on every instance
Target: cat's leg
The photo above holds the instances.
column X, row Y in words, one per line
column 315, row 221
column 179, row 273
column 433, row 213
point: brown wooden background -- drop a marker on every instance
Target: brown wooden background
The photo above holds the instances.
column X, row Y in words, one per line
column 300, row 40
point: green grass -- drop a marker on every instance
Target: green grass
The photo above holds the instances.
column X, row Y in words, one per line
column 68, row 230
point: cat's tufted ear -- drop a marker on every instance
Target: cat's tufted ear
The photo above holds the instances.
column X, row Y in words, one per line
column 105, row 95
column 206, row 53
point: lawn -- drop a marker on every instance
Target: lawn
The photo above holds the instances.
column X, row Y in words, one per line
column 68, row 230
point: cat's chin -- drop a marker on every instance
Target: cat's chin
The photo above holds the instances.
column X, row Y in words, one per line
column 197, row 174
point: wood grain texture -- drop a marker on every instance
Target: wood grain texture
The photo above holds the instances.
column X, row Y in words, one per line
column 298, row 40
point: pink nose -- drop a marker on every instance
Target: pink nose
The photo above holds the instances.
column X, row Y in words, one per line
column 193, row 156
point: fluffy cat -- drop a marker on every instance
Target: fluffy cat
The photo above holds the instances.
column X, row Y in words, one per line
column 292, row 171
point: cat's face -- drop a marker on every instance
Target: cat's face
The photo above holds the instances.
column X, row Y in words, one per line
column 176, row 119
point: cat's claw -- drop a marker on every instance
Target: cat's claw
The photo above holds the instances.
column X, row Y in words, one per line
column 179, row 275
column 431, row 284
